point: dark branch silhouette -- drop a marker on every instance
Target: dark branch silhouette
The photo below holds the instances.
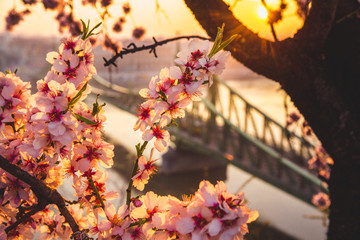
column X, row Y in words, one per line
column 319, row 68
column 44, row 194
column 270, row 23
column 24, row 217
column 132, row 48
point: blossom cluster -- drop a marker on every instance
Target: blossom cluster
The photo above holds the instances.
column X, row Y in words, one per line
column 212, row 213
column 320, row 163
column 321, row 200
column 54, row 135
column 172, row 91
column 295, row 118
column 175, row 88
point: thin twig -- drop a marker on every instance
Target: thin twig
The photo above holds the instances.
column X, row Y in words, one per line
column 41, row 190
column 270, row 23
column 129, row 188
column 96, row 190
column 36, row 208
column 132, row 48
column 72, row 202
column 234, row 4
column 273, row 32
column 140, row 152
column 348, row 15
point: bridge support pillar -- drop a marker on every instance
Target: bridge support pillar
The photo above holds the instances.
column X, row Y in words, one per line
column 187, row 160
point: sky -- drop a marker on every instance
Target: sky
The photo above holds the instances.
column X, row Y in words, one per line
column 175, row 19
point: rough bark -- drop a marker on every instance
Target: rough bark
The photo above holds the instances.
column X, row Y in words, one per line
column 320, row 69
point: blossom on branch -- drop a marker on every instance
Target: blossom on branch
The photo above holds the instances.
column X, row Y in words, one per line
column 54, row 135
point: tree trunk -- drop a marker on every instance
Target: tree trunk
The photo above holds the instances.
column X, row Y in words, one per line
column 320, row 69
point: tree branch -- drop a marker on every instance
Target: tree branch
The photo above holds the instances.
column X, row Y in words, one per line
column 248, row 48
column 36, row 208
column 132, row 48
column 140, row 151
column 262, row 56
column 318, row 24
column 44, row 194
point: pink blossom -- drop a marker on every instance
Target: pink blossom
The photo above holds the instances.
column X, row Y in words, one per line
column 134, row 233
column 147, row 116
column 159, row 85
column 152, row 208
column 79, row 215
column 16, row 191
column 87, row 56
column 74, row 61
column 197, row 49
column 194, row 96
column 172, row 109
column 54, row 228
column 166, row 81
column 90, row 152
column 146, row 169
column 321, row 201
column 14, row 95
column 214, row 65
column 140, row 179
column 162, row 137
column 51, row 143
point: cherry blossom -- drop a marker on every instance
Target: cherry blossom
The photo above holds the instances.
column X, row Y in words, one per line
column 147, row 116
column 162, row 137
column 321, row 201
column 54, row 135
column 146, row 169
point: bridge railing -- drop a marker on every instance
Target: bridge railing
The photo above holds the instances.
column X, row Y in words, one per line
column 212, row 130
column 258, row 124
column 209, row 131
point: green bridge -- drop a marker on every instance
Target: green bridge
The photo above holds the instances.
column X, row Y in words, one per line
column 227, row 127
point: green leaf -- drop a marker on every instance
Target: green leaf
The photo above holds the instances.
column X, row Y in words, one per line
column 173, row 122
column 10, row 72
column 96, row 107
column 217, row 40
column 90, row 33
column 137, row 146
column 218, row 45
column 227, row 42
column 85, row 120
column 85, row 32
column 140, row 149
column 77, row 96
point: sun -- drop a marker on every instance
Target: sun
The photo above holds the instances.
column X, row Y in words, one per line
column 262, row 12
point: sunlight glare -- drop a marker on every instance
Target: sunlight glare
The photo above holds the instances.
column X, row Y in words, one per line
column 262, row 12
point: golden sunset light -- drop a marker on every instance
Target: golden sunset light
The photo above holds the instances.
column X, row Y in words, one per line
column 219, row 98
column 173, row 20
column 253, row 14
column 262, row 12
